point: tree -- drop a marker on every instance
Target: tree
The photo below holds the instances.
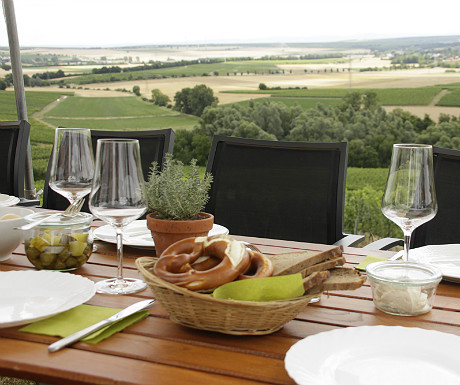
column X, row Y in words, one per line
column 159, row 98
column 3, row 85
column 262, row 86
column 195, row 100
column 136, row 90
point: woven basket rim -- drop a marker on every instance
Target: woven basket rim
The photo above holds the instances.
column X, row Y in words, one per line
column 143, row 262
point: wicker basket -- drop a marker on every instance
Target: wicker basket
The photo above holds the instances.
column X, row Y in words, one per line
column 202, row 311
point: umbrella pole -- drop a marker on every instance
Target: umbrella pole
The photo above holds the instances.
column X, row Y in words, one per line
column 18, row 82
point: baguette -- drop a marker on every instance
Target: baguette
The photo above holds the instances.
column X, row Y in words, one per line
column 292, row 263
column 341, row 278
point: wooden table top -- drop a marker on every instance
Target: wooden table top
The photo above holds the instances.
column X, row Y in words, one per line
column 156, row 350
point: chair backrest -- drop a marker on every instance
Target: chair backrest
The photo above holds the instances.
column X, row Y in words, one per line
column 14, row 138
column 282, row 190
column 444, row 228
column 153, row 144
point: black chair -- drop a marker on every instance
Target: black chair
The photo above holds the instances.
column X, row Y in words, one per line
column 282, row 190
column 14, row 137
column 444, row 228
column 153, row 144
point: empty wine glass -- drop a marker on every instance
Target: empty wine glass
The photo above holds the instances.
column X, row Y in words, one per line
column 118, row 198
column 410, row 198
column 72, row 164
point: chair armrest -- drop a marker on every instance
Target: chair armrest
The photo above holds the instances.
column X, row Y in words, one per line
column 384, row 244
column 350, row 240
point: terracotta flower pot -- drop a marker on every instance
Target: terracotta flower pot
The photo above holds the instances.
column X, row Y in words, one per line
column 166, row 232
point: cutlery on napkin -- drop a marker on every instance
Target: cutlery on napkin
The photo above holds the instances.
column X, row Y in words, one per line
column 145, row 304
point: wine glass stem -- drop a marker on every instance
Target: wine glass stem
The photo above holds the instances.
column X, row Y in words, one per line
column 119, row 254
column 407, row 236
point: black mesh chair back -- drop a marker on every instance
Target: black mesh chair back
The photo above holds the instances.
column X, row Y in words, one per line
column 153, row 144
column 444, row 228
column 14, row 138
column 282, row 190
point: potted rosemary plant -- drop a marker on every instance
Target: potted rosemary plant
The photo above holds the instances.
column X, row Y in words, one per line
column 176, row 196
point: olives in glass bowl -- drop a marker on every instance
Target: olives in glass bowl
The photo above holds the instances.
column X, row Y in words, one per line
column 61, row 243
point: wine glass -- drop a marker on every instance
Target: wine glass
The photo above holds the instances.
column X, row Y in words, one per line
column 410, row 198
column 72, row 164
column 118, row 198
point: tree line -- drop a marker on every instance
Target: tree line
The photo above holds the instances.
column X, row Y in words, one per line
column 359, row 120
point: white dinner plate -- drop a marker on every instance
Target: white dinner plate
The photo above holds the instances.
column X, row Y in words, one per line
column 8, row 200
column 444, row 257
column 28, row 296
column 377, row 355
column 136, row 234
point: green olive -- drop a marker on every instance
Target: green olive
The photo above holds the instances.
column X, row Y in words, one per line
column 47, row 258
column 71, row 262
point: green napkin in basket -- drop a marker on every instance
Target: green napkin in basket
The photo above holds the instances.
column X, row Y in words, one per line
column 80, row 317
column 262, row 289
column 368, row 260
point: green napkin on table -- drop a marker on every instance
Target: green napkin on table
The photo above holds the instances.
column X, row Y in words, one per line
column 262, row 289
column 368, row 260
column 80, row 317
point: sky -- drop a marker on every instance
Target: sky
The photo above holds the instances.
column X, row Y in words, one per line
column 113, row 23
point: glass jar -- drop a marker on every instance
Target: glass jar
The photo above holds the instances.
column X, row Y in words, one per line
column 403, row 288
column 60, row 243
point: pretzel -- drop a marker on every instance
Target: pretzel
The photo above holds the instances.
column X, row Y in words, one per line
column 175, row 263
column 259, row 267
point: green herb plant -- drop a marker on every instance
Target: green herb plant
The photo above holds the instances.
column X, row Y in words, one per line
column 177, row 192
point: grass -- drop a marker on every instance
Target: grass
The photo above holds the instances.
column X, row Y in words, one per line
column 224, row 68
column 385, row 96
column 375, row 178
column 77, row 107
column 305, row 103
column 115, row 113
column 452, row 99
column 35, row 101
column 142, row 123
column 15, row 381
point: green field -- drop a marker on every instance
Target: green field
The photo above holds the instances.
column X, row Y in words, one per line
column 78, row 107
column 385, row 96
column 142, row 123
column 35, row 101
column 452, row 99
column 305, row 103
column 229, row 67
column 115, row 113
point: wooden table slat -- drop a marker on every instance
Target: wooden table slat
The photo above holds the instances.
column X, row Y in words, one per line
column 157, row 350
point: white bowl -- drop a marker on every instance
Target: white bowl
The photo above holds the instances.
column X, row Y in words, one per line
column 11, row 238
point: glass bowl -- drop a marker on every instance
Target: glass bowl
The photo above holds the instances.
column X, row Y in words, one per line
column 61, row 243
column 403, row 288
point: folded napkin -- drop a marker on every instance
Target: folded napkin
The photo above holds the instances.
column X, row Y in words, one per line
column 262, row 289
column 368, row 260
column 80, row 317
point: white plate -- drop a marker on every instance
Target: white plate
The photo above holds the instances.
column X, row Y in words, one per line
column 136, row 234
column 8, row 200
column 444, row 257
column 376, row 355
column 27, row 296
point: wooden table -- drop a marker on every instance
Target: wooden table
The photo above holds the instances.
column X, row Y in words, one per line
column 158, row 351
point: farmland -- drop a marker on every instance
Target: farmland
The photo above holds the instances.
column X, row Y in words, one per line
column 105, row 101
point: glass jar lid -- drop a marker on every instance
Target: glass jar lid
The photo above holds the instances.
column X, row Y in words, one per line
column 404, row 273
column 78, row 220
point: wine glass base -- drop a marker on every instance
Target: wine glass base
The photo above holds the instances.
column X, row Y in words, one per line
column 120, row 286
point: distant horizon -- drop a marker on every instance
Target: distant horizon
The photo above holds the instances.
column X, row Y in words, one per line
column 243, row 43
